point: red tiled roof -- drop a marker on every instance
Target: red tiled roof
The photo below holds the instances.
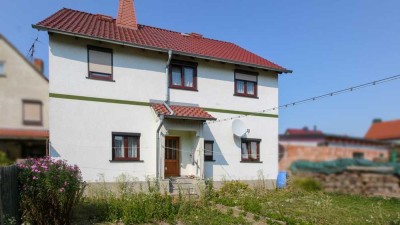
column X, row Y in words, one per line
column 20, row 133
column 189, row 112
column 105, row 27
column 302, row 132
column 384, row 130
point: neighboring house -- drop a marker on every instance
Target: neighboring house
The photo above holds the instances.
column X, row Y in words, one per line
column 388, row 131
column 315, row 146
column 23, row 104
column 384, row 131
column 135, row 99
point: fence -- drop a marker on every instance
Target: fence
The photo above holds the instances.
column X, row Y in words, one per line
column 9, row 195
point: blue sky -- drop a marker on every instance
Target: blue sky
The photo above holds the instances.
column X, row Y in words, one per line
column 330, row 45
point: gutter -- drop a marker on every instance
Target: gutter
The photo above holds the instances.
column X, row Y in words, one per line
column 41, row 28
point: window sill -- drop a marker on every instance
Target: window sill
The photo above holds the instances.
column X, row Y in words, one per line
column 92, row 78
column 246, row 96
column 244, row 161
column 209, row 160
column 126, row 161
column 33, row 123
column 183, row 89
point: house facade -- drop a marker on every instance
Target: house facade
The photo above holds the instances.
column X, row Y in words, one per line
column 148, row 102
column 23, row 104
column 316, row 146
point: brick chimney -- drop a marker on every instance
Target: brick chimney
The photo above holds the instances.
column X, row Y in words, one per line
column 38, row 63
column 126, row 14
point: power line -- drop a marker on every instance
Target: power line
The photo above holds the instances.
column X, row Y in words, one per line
column 312, row 99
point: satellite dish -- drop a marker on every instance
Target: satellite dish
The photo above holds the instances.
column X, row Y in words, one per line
column 239, row 128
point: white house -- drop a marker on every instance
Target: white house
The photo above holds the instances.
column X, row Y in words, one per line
column 139, row 100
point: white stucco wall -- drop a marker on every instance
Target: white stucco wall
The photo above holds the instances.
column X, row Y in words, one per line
column 80, row 131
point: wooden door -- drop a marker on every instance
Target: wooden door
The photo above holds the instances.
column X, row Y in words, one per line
column 172, row 165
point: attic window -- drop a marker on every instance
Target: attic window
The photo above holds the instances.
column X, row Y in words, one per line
column 100, row 63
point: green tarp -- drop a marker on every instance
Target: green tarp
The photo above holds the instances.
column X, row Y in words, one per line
column 340, row 165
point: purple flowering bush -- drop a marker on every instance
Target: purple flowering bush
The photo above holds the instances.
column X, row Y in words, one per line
column 49, row 189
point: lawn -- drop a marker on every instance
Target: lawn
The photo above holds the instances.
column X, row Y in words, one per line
column 294, row 205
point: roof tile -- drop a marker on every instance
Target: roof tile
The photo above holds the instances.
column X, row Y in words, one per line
column 384, row 130
column 76, row 22
column 183, row 111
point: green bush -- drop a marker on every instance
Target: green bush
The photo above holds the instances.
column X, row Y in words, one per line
column 233, row 188
column 49, row 190
column 307, row 184
column 4, row 161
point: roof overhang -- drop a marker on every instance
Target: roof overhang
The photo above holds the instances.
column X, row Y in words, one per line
column 43, row 28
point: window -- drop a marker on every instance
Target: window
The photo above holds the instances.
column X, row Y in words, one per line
column 358, row 155
column 208, row 150
column 32, row 112
column 183, row 75
column 251, row 150
column 100, row 63
column 245, row 83
column 125, row 146
column 2, row 71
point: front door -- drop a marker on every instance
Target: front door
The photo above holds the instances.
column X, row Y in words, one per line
column 172, row 165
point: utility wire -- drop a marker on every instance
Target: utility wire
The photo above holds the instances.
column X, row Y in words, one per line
column 331, row 94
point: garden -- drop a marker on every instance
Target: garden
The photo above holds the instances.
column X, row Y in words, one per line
column 53, row 192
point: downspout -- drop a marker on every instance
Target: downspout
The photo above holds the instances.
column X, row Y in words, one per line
column 158, row 164
column 158, row 150
column 167, row 75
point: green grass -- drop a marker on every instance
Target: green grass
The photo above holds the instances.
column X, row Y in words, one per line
column 297, row 204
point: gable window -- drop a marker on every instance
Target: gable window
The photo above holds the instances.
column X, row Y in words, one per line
column 246, row 83
column 183, row 75
column 208, row 150
column 125, row 147
column 251, row 150
column 100, row 63
column 32, row 112
column 2, row 71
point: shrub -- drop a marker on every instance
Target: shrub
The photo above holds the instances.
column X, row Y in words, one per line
column 307, row 184
column 233, row 188
column 4, row 161
column 49, row 190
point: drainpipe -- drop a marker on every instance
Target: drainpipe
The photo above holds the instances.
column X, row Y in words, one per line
column 158, row 164
column 167, row 74
column 158, row 150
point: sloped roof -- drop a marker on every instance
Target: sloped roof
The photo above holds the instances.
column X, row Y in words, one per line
column 76, row 23
column 22, row 134
column 183, row 112
column 384, row 130
column 23, row 57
